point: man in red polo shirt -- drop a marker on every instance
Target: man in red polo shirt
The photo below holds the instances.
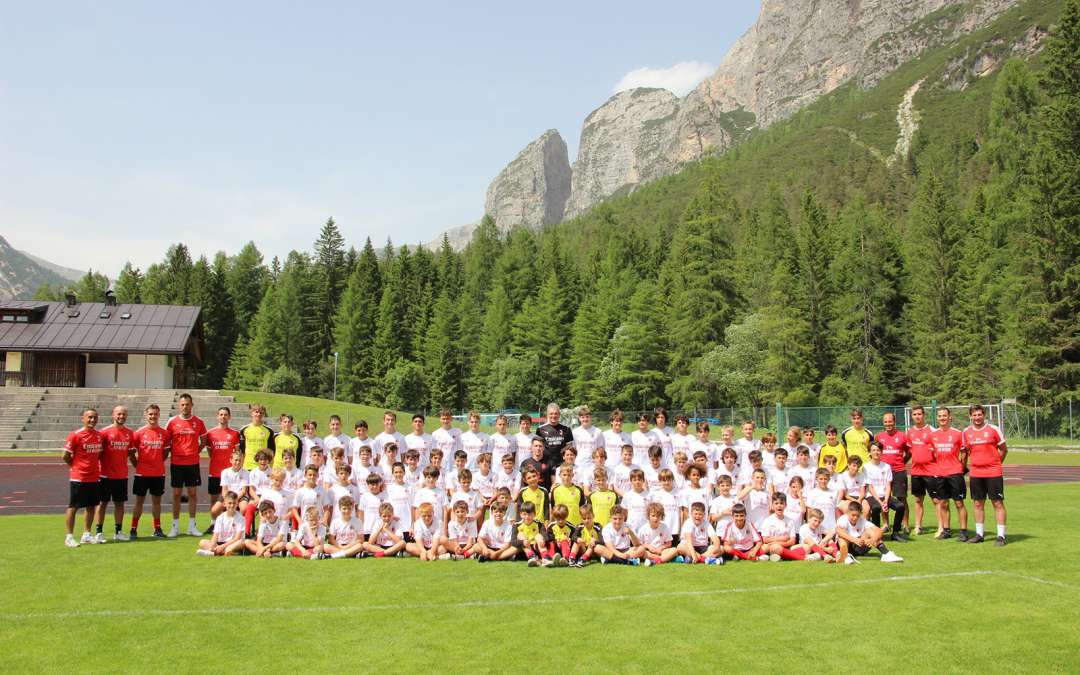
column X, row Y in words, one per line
column 948, row 470
column 922, row 460
column 187, row 434
column 116, row 440
column 895, row 451
column 986, row 449
column 220, row 442
column 82, row 452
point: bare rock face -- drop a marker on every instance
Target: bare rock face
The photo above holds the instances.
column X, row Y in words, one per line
column 622, row 145
column 799, row 50
column 533, row 189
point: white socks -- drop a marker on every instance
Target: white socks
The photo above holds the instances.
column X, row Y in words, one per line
column 980, row 529
column 1001, row 530
column 339, row 554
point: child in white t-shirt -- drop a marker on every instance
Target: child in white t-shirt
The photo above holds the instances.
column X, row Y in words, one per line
column 796, row 505
column 621, row 544
column 823, row 498
column 620, row 480
column 427, row 540
column 271, row 538
column 698, row 542
column 466, row 494
column 370, row 504
column 399, row 495
column 856, row 536
column 668, row 498
column 755, row 497
column 228, row 536
column 655, row 536
column 741, row 540
column 694, row 491
column 636, row 500
column 346, row 539
column 309, row 539
column 853, row 482
column 460, row 530
column 720, row 508
column 384, row 539
column 780, row 474
column 778, row 533
column 818, row 542
column 493, row 542
column 343, row 488
column 508, row 477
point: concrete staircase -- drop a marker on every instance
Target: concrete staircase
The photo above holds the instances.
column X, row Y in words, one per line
column 17, row 404
column 58, row 411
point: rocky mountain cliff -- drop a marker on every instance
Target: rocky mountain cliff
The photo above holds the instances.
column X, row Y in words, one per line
column 533, row 189
column 796, row 52
column 20, row 275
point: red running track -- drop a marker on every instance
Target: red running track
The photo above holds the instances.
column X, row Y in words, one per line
column 40, row 485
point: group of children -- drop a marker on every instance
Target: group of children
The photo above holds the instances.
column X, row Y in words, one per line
column 497, row 498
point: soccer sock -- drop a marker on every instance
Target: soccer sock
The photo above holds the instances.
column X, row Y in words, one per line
column 980, row 529
column 135, row 523
column 588, row 554
column 99, row 527
column 529, row 553
column 820, row 551
column 339, row 554
column 249, row 517
column 883, row 548
column 550, row 551
column 380, row 554
column 119, row 526
column 157, row 523
column 176, row 523
column 564, row 548
column 740, row 554
column 793, row 553
column 1001, row 530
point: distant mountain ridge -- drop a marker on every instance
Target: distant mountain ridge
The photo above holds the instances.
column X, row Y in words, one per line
column 796, row 52
column 21, row 274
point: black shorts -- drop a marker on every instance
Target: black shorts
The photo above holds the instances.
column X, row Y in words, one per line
column 873, row 502
column 920, row 485
column 899, row 485
column 407, row 536
column 213, row 486
column 83, row 495
column 857, row 549
column 949, row 487
column 700, row 550
column 185, row 475
column 675, row 540
column 992, row 488
column 112, row 490
column 155, row 485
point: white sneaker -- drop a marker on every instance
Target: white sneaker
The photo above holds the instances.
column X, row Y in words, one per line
column 87, row 538
column 205, row 553
column 99, row 538
column 891, row 557
column 813, row 557
column 444, row 556
column 174, row 532
column 194, row 531
column 774, row 557
column 120, row 536
column 69, row 541
column 850, row 560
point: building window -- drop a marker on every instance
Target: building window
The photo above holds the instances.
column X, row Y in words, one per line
column 15, row 318
column 108, row 358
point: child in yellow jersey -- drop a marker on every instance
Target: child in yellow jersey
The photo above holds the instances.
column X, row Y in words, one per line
column 535, row 494
column 528, row 537
column 586, row 537
column 568, row 495
column 602, row 498
column 560, row 535
column 833, row 448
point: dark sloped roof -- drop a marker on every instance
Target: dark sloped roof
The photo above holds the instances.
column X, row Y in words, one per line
column 152, row 329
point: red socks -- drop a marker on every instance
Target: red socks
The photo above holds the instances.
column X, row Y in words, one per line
column 564, row 548
column 157, row 523
column 793, row 553
column 249, row 517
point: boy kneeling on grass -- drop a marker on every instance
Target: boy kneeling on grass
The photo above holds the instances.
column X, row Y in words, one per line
column 857, row 536
column 228, row 531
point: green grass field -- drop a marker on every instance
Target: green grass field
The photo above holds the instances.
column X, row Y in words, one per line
column 949, row 607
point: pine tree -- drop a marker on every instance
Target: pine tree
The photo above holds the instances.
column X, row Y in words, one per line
column 208, row 291
column 332, row 271
column 541, row 339
column 177, row 269
column 495, row 341
column 934, row 244
column 635, row 369
column 128, row 285
column 441, row 362
column 866, row 274
column 1054, row 249
column 813, row 238
column 354, row 326
column 391, row 334
column 247, row 280
column 91, row 287
column 297, row 290
column 703, row 294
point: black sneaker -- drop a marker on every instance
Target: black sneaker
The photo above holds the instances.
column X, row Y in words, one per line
column 962, row 537
column 896, row 536
column 944, row 534
column 977, row 539
column 481, row 558
column 1000, row 541
column 158, row 534
column 133, row 534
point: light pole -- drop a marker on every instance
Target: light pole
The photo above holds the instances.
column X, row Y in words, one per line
column 335, row 375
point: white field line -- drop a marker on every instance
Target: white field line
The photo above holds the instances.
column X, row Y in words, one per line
column 1039, row 580
column 421, row 606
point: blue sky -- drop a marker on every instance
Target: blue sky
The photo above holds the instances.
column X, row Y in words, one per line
column 127, row 126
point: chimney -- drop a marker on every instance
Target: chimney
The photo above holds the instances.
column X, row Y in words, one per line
column 110, row 299
column 69, row 299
